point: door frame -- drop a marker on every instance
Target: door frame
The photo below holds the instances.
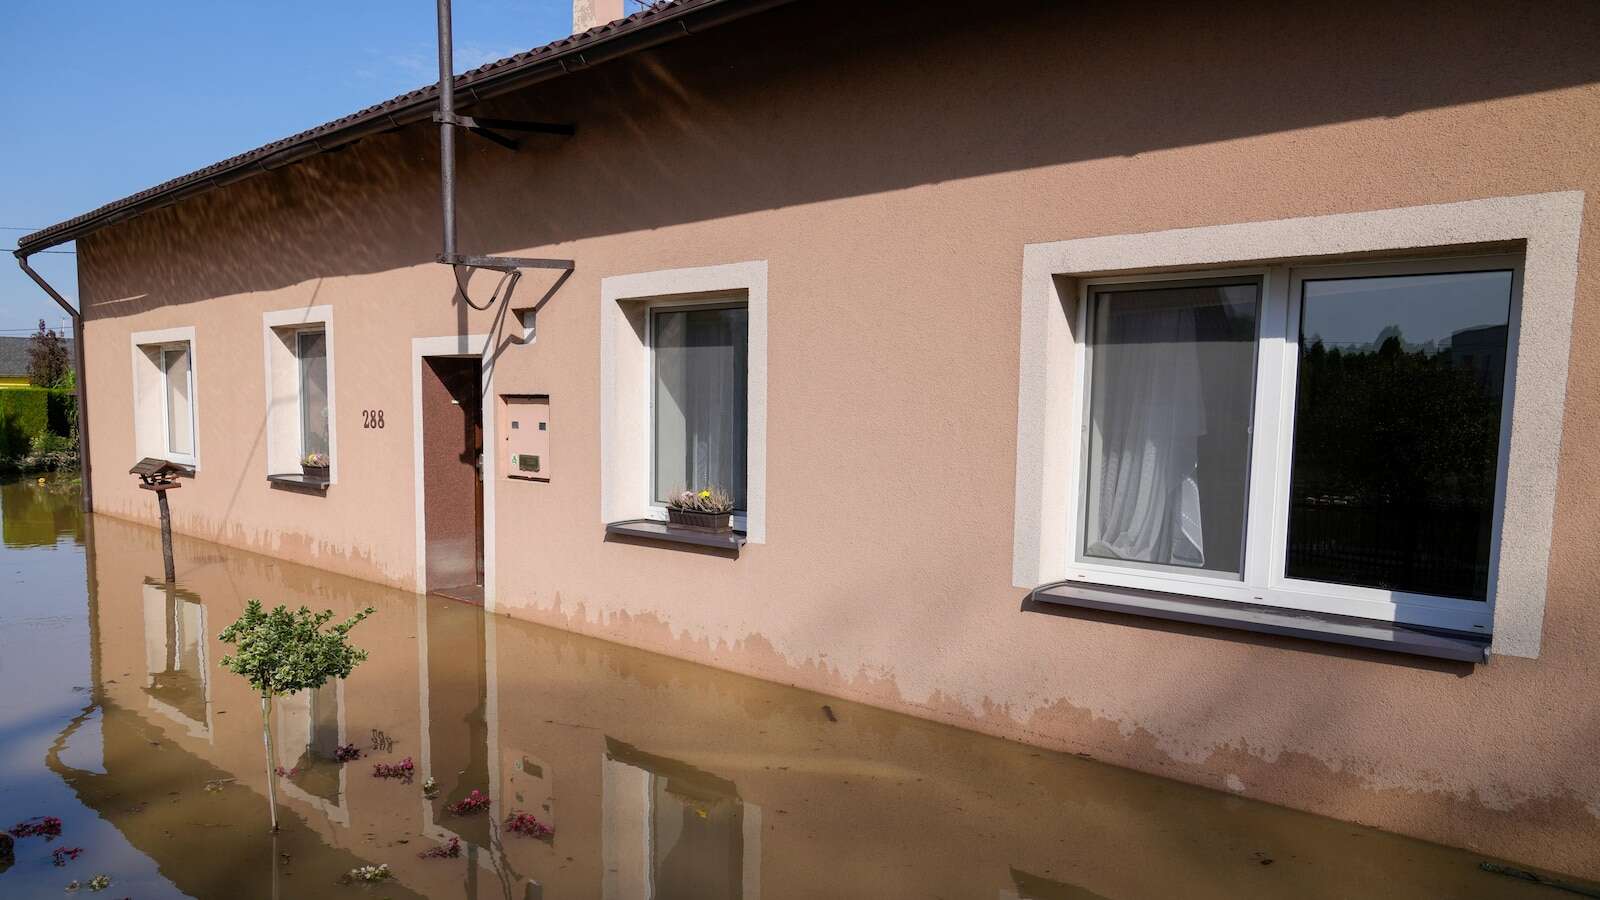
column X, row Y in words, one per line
column 464, row 345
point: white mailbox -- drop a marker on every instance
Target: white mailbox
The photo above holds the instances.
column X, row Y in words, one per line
column 525, row 425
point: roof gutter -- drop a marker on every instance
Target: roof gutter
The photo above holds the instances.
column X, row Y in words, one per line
column 79, row 376
column 584, row 51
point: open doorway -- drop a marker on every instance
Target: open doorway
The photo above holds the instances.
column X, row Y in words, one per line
column 452, row 476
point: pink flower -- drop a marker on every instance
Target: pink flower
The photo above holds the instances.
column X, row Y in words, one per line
column 473, row 804
column 449, row 850
column 528, row 826
column 401, row 770
column 39, row 826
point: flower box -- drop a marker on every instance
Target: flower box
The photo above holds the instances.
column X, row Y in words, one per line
column 715, row 522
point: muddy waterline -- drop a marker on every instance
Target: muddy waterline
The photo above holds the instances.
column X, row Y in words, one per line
column 659, row 778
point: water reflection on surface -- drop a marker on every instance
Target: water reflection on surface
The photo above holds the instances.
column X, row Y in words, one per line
column 660, row 778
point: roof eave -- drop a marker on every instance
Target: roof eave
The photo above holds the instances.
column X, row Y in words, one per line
column 640, row 31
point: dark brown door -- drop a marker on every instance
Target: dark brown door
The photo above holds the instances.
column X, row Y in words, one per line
column 452, row 477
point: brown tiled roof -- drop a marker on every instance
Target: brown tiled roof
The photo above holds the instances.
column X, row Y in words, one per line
column 655, row 24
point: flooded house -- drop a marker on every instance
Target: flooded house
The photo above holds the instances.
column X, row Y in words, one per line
column 1196, row 388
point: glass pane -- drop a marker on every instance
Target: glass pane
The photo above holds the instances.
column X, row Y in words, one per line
column 699, row 400
column 180, row 415
column 1172, row 377
column 1397, row 431
column 313, row 353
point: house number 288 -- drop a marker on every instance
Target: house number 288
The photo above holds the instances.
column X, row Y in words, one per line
column 372, row 418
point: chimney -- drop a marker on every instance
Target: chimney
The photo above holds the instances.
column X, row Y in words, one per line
column 586, row 14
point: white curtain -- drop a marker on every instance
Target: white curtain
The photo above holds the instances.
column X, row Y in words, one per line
column 701, row 357
column 1147, row 417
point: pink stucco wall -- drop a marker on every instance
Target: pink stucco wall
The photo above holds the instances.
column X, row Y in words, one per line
column 889, row 173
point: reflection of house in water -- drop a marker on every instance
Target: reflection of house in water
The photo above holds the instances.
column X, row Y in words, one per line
column 1483, row 350
column 176, row 682
column 455, row 707
column 308, row 732
column 673, row 831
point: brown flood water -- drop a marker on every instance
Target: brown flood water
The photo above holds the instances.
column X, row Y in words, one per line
column 660, row 778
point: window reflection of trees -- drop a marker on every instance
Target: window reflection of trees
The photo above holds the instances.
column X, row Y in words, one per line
column 1396, row 451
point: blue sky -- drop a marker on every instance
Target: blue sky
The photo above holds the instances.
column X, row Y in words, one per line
column 108, row 98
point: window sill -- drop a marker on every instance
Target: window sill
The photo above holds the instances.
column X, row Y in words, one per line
column 666, row 532
column 306, row 484
column 1367, row 633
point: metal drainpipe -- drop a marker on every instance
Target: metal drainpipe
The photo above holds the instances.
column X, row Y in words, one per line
column 80, row 377
column 447, row 132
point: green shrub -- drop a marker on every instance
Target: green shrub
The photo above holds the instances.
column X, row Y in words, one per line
column 28, row 414
column 51, row 443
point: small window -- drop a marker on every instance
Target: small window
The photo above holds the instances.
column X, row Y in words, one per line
column 699, row 362
column 311, row 349
column 177, row 374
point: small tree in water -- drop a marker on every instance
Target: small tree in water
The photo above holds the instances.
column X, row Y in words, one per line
column 285, row 652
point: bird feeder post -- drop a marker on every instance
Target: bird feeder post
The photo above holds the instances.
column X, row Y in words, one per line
column 160, row 476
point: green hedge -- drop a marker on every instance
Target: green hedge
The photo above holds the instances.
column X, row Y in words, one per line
column 25, row 412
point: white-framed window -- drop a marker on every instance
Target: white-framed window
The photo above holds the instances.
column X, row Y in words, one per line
column 299, row 357
column 699, row 435
column 1278, row 472
column 311, row 351
column 166, row 406
column 177, row 400
column 683, row 390
column 1324, row 437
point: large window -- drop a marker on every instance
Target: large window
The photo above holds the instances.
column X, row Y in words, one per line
column 311, row 349
column 1323, row 437
column 699, row 361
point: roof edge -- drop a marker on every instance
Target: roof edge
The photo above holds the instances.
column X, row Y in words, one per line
column 647, row 28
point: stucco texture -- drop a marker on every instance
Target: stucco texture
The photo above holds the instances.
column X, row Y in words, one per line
column 890, row 173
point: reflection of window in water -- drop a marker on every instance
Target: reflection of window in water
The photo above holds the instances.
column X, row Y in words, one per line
column 175, row 656
column 673, row 831
column 1025, row 886
column 307, row 737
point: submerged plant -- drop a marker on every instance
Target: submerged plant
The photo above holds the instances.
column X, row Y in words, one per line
column 430, row 788
column 402, row 770
column 368, row 874
column 448, row 850
column 526, row 825
column 473, row 804
column 97, row 883
column 47, row 827
column 346, row 753
column 285, row 652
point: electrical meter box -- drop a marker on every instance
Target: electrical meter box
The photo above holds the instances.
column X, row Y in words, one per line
column 525, row 436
